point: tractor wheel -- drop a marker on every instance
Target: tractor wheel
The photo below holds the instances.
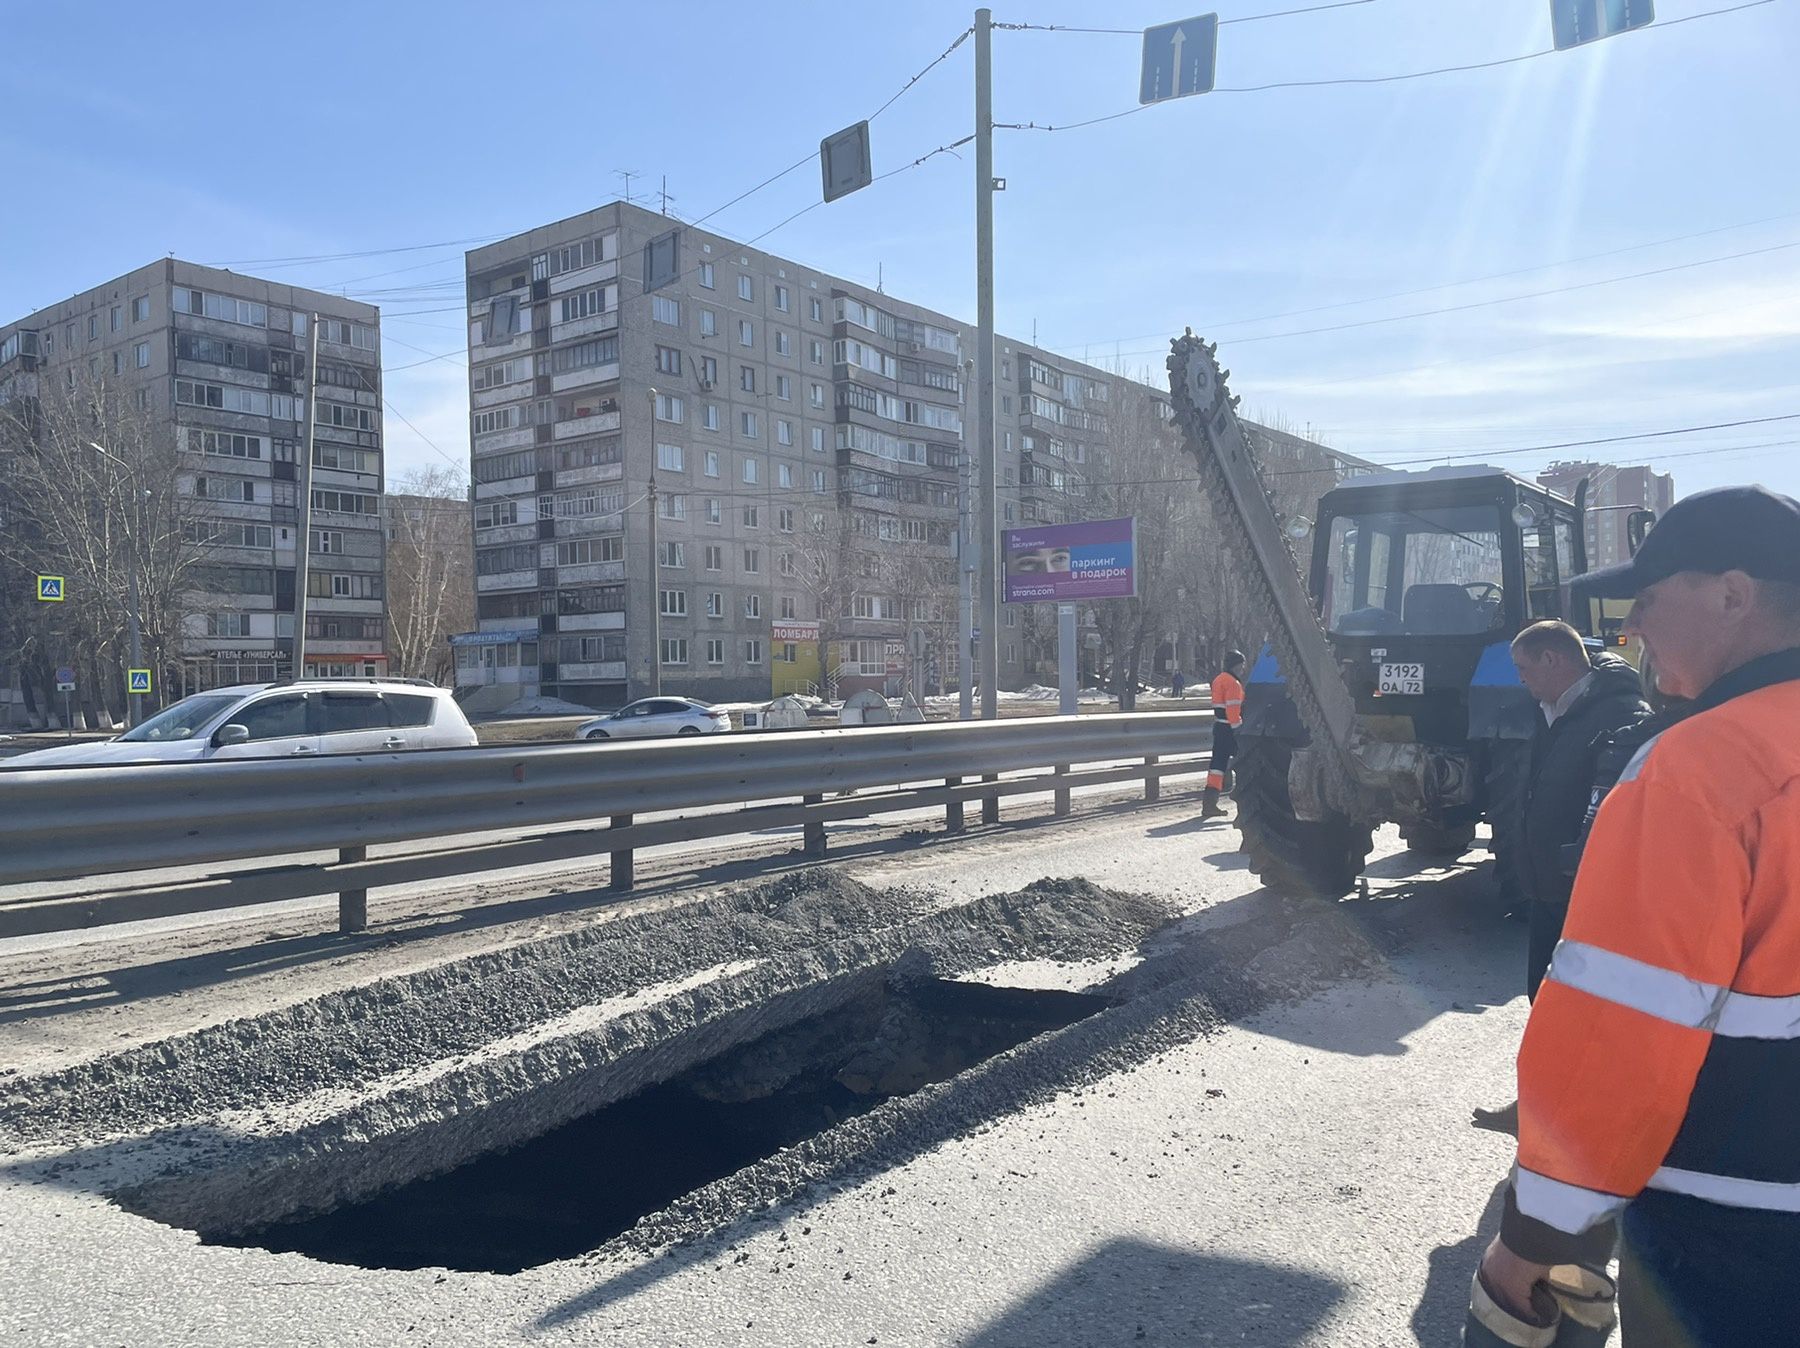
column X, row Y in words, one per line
column 1448, row 841
column 1508, row 773
column 1291, row 856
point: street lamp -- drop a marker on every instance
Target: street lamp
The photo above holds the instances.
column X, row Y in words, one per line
column 655, row 565
column 134, row 701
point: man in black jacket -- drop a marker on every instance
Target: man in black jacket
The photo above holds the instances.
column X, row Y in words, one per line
column 1585, row 702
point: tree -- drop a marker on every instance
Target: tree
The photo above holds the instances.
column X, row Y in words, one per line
column 430, row 572
column 827, row 569
column 920, row 579
column 95, row 491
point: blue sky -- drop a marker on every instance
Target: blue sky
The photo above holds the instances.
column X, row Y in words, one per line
column 233, row 134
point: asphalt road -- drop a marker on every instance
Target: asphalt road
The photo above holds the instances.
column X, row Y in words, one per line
column 1301, row 1175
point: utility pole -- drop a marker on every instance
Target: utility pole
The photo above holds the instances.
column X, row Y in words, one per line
column 965, row 570
column 134, row 626
column 655, row 568
column 303, row 545
column 988, row 608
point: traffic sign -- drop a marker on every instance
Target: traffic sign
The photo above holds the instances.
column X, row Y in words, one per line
column 1573, row 22
column 65, row 679
column 137, row 680
column 844, row 161
column 50, row 589
column 1179, row 59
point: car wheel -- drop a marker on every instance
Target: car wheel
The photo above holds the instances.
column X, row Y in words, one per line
column 688, row 730
column 595, row 735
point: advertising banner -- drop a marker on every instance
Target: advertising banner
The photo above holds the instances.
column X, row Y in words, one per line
column 1066, row 562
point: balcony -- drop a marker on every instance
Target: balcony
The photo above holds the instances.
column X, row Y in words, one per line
column 600, row 423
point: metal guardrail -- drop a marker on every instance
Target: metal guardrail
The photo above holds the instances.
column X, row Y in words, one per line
column 67, row 824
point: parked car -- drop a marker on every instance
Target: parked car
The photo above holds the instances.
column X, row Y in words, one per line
column 282, row 720
column 656, row 716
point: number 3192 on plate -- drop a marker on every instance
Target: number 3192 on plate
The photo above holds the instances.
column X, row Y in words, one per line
column 1401, row 678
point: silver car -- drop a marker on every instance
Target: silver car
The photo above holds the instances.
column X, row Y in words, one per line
column 303, row 718
column 650, row 716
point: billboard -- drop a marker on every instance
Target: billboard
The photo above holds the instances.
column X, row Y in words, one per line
column 1066, row 562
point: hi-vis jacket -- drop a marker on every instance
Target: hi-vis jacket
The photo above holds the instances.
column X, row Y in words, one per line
column 1664, row 1048
column 1227, row 699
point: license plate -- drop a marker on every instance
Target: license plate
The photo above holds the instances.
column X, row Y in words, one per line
column 1405, row 678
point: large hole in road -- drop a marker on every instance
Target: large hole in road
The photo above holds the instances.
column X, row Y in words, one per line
column 576, row 1187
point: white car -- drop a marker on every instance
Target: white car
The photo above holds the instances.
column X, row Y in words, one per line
column 303, row 718
column 656, row 716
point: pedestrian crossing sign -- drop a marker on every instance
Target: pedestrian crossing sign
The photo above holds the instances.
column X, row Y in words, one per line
column 50, row 589
column 137, row 680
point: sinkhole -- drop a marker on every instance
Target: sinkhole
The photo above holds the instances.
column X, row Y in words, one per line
column 577, row 1186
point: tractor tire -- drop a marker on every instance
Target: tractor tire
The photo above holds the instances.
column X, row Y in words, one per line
column 1292, row 856
column 1447, row 841
column 1507, row 776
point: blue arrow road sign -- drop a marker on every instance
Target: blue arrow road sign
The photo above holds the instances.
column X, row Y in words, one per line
column 1179, row 59
column 1573, row 22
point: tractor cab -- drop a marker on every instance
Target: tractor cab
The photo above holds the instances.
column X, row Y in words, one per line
column 1417, row 577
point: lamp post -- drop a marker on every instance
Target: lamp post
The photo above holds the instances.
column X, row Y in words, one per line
column 134, row 701
column 655, row 567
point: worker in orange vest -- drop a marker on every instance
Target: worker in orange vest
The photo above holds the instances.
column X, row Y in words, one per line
column 1659, row 1079
column 1228, row 715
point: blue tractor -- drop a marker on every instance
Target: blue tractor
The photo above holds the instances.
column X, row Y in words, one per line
column 1387, row 692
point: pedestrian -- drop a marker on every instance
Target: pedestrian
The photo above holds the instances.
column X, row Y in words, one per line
column 1583, row 699
column 1228, row 715
column 1659, row 1079
column 1177, row 685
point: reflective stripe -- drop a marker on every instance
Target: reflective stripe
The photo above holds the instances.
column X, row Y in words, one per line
column 1655, row 991
column 1728, row 1189
column 1642, row 756
column 1748, row 1016
column 1567, row 1207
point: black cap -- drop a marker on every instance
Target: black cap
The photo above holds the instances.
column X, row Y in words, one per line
column 1748, row 529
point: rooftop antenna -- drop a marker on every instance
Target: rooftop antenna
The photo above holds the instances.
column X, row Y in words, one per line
column 666, row 198
column 627, row 175
column 878, row 280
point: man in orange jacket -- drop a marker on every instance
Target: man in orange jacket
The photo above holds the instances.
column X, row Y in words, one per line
column 1659, row 1079
column 1228, row 715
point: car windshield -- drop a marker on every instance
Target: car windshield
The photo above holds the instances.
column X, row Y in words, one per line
column 1434, row 572
column 183, row 720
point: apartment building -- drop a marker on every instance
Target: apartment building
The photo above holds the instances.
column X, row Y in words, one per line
column 1614, row 491
column 217, row 361
column 805, row 437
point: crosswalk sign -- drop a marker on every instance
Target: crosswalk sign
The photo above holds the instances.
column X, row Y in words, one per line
column 50, row 589
column 137, row 680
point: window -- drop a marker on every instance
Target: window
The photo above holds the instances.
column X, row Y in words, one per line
column 752, row 561
column 140, row 309
column 753, row 606
column 706, row 275
column 662, row 259
column 345, row 712
column 790, row 609
column 818, row 481
column 715, row 557
column 94, row 326
column 709, row 371
column 751, row 472
column 228, row 624
column 713, row 515
column 586, row 551
column 674, row 650
column 327, row 541
column 672, row 506
column 818, row 439
column 583, row 355
column 747, row 426
column 715, row 604
column 709, row 323
column 490, row 514
column 672, row 555
column 587, row 303
column 273, row 717
column 746, row 332
column 115, row 318
column 669, row 408
column 784, row 473
column 784, row 520
column 753, row 650
column 668, row 360
column 672, row 603
column 709, row 463
column 781, row 298
column 715, row 650
column 668, row 458
column 785, row 564
column 751, row 516
column 746, row 290
column 118, row 362
column 815, row 351
column 816, row 395
column 665, row 309
column 347, row 502
column 784, row 432
column 784, row 388
column 817, row 310
column 747, row 378
column 355, row 334
column 709, row 417
column 784, row 345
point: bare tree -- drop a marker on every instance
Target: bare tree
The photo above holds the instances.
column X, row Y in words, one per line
column 828, row 569
column 920, row 578
column 430, row 572
column 96, row 493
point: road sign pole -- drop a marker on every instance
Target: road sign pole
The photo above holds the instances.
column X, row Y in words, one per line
column 303, row 544
column 68, row 719
column 135, row 701
column 987, row 607
column 1066, row 659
